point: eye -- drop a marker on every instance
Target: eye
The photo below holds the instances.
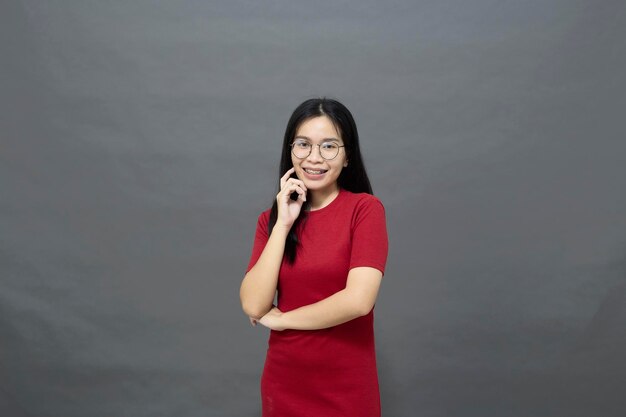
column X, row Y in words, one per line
column 301, row 144
column 329, row 146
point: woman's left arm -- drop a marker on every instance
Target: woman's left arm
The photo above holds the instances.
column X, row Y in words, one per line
column 356, row 300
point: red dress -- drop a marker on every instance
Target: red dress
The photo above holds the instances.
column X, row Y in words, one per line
column 329, row 372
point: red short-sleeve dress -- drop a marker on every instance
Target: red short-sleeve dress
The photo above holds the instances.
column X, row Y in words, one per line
column 329, row 372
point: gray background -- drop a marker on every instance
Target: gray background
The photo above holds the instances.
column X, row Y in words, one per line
column 140, row 140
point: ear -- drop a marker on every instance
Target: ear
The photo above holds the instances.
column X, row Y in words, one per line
column 345, row 164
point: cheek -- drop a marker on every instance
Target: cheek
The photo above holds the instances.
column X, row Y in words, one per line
column 337, row 171
column 296, row 163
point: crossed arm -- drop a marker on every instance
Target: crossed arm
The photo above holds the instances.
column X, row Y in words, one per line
column 356, row 300
column 259, row 287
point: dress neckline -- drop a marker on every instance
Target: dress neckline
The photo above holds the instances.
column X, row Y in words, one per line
column 333, row 202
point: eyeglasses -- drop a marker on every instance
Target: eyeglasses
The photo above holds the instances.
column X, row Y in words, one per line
column 328, row 150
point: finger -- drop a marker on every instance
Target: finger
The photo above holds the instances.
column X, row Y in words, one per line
column 284, row 178
column 288, row 180
column 291, row 188
column 297, row 181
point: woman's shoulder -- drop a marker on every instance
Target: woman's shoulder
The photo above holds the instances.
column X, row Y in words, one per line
column 363, row 210
column 264, row 216
column 362, row 199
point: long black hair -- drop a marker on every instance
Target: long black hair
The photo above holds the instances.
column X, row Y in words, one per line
column 352, row 178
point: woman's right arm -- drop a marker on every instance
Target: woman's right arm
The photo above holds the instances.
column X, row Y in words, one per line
column 259, row 284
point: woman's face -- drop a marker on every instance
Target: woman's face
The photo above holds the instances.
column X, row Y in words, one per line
column 319, row 174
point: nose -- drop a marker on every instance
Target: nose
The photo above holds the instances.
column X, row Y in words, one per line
column 316, row 154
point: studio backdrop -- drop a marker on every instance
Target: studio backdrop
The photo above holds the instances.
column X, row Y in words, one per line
column 139, row 141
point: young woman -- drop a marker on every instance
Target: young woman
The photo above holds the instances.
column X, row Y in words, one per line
column 323, row 247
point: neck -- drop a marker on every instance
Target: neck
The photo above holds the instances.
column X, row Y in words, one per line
column 320, row 199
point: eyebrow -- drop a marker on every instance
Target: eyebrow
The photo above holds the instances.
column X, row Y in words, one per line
column 323, row 140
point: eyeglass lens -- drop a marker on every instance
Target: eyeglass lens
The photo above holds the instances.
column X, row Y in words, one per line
column 328, row 150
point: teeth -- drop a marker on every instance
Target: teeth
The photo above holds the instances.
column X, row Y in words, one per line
column 310, row 171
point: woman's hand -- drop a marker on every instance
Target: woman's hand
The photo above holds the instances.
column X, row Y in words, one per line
column 288, row 209
column 272, row 319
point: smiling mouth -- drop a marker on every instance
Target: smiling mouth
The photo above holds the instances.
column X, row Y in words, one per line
column 315, row 171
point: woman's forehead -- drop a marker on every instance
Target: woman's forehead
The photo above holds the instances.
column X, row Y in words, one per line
column 318, row 128
column 320, row 140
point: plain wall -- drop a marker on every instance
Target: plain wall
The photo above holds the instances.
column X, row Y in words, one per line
column 140, row 140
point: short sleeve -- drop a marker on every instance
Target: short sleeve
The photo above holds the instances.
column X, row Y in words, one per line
column 369, row 235
column 260, row 239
